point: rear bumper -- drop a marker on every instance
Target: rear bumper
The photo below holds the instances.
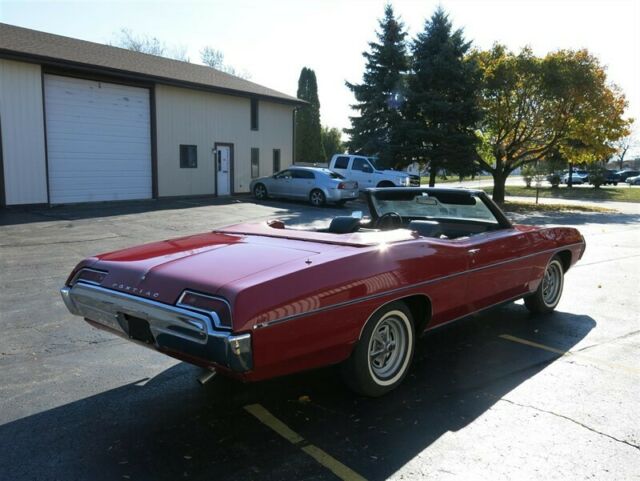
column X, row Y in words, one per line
column 176, row 331
column 342, row 194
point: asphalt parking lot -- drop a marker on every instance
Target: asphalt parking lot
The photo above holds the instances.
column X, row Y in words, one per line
column 501, row 395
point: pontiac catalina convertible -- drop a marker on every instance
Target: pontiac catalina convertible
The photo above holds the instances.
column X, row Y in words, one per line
column 254, row 301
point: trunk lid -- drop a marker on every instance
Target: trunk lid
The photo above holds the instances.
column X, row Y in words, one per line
column 205, row 263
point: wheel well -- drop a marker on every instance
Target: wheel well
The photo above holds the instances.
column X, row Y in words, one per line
column 420, row 307
column 565, row 258
column 385, row 183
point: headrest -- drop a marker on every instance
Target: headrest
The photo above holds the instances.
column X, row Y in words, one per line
column 344, row 225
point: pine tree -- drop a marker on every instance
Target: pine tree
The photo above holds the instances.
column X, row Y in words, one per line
column 309, row 146
column 376, row 131
column 441, row 108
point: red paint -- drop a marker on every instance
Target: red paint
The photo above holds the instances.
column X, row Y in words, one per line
column 327, row 286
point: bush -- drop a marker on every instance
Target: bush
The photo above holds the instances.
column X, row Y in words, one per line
column 528, row 173
column 597, row 175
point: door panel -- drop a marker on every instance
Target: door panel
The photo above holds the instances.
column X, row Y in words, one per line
column 302, row 183
column 223, row 170
column 498, row 267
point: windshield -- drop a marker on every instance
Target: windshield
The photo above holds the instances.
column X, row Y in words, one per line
column 375, row 163
column 441, row 205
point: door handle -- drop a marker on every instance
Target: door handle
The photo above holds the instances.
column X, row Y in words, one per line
column 473, row 251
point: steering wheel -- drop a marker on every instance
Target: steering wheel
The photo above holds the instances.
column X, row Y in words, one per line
column 389, row 220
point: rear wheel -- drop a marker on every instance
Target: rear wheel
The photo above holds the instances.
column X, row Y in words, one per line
column 548, row 294
column 382, row 357
column 317, row 198
column 260, row 192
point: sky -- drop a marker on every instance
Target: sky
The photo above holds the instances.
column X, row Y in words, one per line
column 273, row 40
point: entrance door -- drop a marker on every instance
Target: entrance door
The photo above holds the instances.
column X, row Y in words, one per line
column 223, row 169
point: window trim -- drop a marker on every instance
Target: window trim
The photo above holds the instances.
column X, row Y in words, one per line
column 257, row 164
column 185, row 149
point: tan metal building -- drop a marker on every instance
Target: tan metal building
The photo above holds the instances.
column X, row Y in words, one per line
column 83, row 122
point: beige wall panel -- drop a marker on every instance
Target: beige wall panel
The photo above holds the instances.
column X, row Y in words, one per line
column 25, row 173
column 193, row 117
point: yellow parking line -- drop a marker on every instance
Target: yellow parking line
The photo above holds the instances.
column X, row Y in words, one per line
column 519, row 340
column 329, row 462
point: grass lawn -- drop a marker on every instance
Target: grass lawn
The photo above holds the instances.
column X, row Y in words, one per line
column 525, row 207
column 453, row 178
column 619, row 194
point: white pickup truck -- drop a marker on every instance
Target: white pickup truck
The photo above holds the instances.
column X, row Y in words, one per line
column 364, row 171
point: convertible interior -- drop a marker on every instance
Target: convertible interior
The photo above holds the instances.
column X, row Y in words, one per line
column 434, row 213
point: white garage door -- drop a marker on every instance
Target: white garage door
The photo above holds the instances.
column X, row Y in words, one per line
column 98, row 140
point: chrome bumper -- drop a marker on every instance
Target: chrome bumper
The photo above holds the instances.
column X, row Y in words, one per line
column 173, row 329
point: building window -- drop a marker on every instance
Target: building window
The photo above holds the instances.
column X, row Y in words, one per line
column 254, row 114
column 276, row 160
column 188, row 156
column 255, row 162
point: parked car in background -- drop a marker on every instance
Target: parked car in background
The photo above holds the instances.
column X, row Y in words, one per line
column 611, row 177
column 367, row 173
column 633, row 180
column 625, row 174
column 316, row 185
column 577, row 177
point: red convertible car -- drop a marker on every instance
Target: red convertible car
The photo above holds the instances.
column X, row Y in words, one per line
column 254, row 301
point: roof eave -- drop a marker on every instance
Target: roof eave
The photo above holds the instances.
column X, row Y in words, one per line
column 140, row 77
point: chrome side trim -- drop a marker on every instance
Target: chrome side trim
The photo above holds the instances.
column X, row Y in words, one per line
column 338, row 305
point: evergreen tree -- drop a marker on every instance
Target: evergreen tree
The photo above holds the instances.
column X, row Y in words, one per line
column 377, row 129
column 441, row 108
column 309, row 146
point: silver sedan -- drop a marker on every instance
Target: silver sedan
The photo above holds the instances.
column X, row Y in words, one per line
column 316, row 185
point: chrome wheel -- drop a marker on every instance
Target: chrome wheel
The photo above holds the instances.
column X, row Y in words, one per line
column 260, row 192
column 317, row 198
column 388, row 347
column 552, row 284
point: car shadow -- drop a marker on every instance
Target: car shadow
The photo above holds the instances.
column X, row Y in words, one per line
column 169, row 427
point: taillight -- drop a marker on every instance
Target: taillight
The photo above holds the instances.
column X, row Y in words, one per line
column 91, row 276
column 217, row 308
column 341, row 185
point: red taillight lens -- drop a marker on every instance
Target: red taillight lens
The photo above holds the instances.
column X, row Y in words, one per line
column 91, row 276
column 341, row 185
column 218, row 308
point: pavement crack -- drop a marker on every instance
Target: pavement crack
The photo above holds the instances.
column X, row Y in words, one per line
column 589, row 428
column 609, row 341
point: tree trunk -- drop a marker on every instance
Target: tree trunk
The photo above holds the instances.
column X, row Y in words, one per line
column 433, row 170
column 499, row 180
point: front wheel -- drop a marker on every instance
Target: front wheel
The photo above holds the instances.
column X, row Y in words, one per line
column 317, row 198
column 382, row 356
column 547, row 296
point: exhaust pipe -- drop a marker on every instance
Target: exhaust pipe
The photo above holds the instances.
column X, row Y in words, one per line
column 206, row 376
